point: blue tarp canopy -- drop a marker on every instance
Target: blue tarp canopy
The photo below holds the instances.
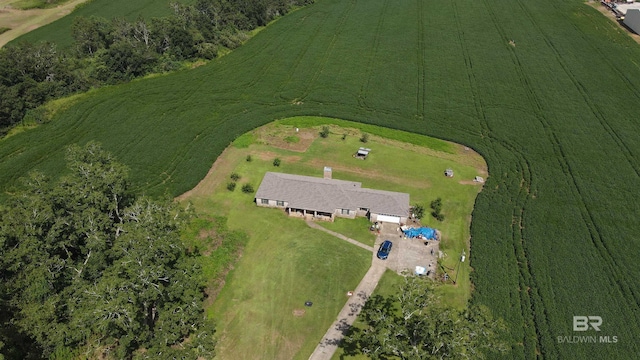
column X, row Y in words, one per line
column 427, row 233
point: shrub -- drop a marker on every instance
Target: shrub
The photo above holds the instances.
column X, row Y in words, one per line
column 325, row 132
column 436, row 205
column 418, row 211
column 231, row 186
column 364, row 138
column 249, row 158
column 247, row 188
column 276, row 162
column 235, row 176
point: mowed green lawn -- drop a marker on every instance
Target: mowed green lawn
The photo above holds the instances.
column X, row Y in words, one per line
column 554, row 232
column 287, row 263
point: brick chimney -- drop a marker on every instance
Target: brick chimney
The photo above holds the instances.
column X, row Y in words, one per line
column 327, row 172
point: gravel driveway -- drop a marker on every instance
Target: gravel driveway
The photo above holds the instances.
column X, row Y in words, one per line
column 406, row 254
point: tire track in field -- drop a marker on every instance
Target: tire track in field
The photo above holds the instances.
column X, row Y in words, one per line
column 372, row 58
column 561, row 156
column 531, row 340
column 261, row 57
column 182, row 154
column 421, row 48
column 301, row 55
column 585, row 94
column 587, row 214
column 267, row 63
column 329, row 50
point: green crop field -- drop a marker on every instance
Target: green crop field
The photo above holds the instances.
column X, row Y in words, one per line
column 59, row 31
column 547, row 91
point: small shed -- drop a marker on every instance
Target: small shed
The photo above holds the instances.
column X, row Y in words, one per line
column 448, row 173
column 362, row 153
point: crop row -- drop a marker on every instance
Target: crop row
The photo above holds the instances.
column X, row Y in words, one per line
column 532, row 86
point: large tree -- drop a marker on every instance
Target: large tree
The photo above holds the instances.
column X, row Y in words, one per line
column 86, row 266
column 415, row 324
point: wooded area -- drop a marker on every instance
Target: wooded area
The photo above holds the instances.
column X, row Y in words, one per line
column 113, row 51
column 88, row 267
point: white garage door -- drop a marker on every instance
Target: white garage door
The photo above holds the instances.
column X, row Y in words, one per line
column 387, row 218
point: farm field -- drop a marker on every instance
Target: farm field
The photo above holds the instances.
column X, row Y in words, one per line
column 260, row 312
column 18, row 22
column 547, row 92
column 59, row 31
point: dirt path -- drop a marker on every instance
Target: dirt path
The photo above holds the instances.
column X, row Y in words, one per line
column 340, row 236
column 22, row 21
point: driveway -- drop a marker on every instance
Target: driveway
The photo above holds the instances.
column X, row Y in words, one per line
column 406, row 254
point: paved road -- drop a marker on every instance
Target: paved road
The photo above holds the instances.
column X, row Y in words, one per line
column 329, row 343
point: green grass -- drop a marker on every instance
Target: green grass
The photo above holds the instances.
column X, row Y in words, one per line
column 554, row 233
column 59, row 31
column 284, row 252
column 404, row 136
column 284, row 264
column 357, row 229
column 219, row 247
column 244, row 140
column 36, row 4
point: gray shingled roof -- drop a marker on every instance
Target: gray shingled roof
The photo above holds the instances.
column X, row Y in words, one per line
column 327, row 195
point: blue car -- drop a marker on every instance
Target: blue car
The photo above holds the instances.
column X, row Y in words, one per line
column 385, row 249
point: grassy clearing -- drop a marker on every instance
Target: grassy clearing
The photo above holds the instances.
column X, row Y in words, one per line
column 555, row 229
column 218, row 247
column 37, row 4
column 59, row 31
column 20, row 22
column 402, row 136
column 285, row 262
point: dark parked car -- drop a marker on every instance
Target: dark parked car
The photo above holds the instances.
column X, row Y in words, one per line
column 385, row 249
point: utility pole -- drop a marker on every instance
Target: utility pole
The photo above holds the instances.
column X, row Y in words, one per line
column 460, row 260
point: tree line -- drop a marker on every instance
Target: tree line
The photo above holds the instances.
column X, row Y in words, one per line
column 113, row 51
column 89, row 270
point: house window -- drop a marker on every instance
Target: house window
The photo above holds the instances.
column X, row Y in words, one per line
column 280, row 203
column 265, row 201
column 345, row 211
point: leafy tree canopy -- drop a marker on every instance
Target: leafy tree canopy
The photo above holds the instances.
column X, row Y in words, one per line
column 415, row 324
column 87, row 267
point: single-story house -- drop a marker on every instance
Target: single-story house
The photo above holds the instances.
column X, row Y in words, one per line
column 327, row 198
column 632, row 20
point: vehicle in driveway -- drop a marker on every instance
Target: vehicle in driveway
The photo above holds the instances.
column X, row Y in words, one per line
column 385, row 249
